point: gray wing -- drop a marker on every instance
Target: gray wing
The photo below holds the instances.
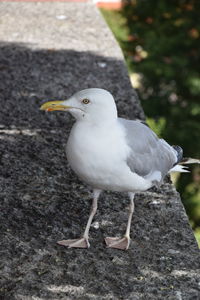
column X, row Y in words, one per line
column 150, row 156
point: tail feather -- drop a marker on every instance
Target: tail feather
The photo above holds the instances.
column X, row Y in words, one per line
column 189, row 160
column 180, row 167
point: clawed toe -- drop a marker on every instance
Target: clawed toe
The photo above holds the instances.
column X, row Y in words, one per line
column 118, row 243
column 76, row 243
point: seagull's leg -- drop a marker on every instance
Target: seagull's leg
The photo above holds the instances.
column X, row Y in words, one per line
column 124, row 242
column 83, row 242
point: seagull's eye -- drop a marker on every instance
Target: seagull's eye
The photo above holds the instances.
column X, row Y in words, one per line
column 85, row 101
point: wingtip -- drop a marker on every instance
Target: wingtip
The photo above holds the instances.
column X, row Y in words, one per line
column 189, row 160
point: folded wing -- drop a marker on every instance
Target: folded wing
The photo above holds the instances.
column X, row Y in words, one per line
column 150, row 157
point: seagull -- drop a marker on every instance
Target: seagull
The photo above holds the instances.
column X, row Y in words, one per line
column 112, row 153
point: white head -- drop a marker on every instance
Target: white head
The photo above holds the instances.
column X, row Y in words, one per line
column 93, row 105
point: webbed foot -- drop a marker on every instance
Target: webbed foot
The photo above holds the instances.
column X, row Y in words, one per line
column 76, row 243
column 118, row 243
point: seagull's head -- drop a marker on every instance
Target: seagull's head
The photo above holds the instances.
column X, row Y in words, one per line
column 95, row 105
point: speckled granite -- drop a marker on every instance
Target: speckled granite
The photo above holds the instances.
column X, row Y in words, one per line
column 48, row 51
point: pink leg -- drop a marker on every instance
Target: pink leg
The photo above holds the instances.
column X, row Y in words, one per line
column 83, row 242
column 123, row 242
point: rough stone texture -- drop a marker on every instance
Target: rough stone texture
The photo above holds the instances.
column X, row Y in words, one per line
column 45, row 56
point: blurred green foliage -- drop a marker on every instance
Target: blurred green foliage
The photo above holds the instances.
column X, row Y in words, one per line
column 161, row 42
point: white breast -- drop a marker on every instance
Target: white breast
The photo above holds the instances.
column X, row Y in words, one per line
column 98, row 154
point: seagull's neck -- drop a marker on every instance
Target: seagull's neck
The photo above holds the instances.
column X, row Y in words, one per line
column 105, row 116
column 97, row 123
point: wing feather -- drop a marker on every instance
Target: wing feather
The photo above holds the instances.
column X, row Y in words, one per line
column 150, row 157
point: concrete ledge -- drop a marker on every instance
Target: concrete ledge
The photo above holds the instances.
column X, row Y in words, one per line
column 49, row 51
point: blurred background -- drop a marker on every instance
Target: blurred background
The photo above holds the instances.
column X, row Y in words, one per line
column 161, row 44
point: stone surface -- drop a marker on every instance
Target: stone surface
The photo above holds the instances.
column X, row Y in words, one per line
column 48, row 51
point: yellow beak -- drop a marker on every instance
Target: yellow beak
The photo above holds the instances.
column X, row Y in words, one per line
column 54, row 105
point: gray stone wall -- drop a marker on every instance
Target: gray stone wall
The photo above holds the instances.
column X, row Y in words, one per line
column 49, row 51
